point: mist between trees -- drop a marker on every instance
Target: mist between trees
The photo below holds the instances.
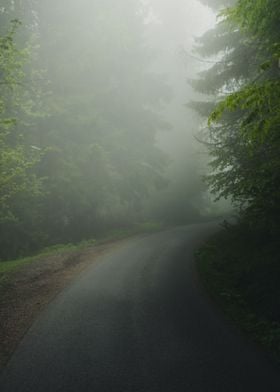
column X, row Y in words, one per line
column 94, row 135
column 242, row 109
column 95, row 130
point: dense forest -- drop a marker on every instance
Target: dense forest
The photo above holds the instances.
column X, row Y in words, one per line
column 91, row 130
column 240, row 265
column 84, row 97
column 120, row 117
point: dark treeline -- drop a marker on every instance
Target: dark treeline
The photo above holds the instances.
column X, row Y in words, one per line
column 242, row 110
column 81, row 107
column 240, row 265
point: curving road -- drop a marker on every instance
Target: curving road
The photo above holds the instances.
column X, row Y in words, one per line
column 137, row 321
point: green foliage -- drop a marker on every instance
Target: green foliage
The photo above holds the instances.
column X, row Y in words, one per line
column 240, row 270
column 18, row 183
column 244, row 126
column 78, row 121
column 105, row 162
column 8, row 267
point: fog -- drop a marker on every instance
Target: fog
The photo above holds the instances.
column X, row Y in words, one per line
column 139, row 162
column 171, row 33
column 102, row 118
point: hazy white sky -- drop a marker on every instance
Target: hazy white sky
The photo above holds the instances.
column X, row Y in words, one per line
column 184, row 18
column 199, row 17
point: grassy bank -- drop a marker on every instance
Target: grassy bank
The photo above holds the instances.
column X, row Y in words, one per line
column 10, row 266
column 241, row 271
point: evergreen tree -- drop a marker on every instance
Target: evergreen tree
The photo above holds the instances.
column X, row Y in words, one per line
column 103, row 161
column 243, row 108
column 19, row 186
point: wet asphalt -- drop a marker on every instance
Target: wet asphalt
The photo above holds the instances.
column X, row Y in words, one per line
column 138, row 320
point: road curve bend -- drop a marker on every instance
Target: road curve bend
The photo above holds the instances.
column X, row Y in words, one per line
column 137, row 321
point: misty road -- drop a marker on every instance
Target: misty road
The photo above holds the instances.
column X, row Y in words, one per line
column 138, row 321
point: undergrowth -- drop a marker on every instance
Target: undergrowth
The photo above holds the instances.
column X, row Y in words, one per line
column 10, row 266
column 241, row 271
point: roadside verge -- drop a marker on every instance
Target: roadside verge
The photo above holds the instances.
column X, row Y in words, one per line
column 241, row 274
column 28, row 285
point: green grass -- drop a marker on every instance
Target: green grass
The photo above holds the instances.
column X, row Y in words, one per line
column 7, row 268
column 241, row 272
column 10, row 266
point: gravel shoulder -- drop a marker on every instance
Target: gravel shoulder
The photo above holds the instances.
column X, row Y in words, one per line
column 31, row 288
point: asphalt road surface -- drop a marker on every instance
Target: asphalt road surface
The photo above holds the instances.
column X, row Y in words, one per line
column 138, row 321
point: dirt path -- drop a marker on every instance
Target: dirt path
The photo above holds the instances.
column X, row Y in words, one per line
column 34, row 286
